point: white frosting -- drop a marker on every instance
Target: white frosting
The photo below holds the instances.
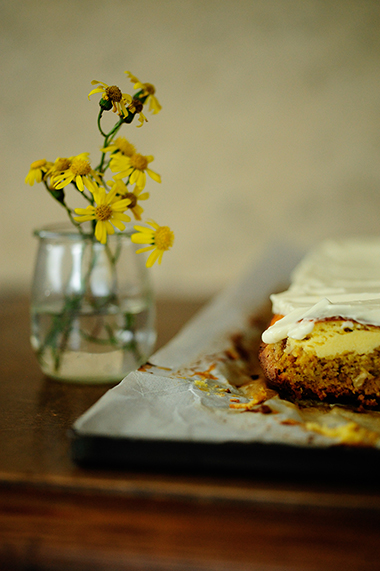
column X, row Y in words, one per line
column 340, row 278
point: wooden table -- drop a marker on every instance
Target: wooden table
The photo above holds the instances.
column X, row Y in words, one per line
column 56, row 516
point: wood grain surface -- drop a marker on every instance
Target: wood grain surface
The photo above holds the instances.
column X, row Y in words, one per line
column 57, row 516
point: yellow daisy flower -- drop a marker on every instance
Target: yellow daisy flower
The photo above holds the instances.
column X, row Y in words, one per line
column 161, row 238
column 112, row 98
column 135, row 167
column 36, row 171
column 134, row 196
column 147, row 89
column 121, row 146
column 136, row 106
column 59, row 166
column 79, row 171
column 108, row 211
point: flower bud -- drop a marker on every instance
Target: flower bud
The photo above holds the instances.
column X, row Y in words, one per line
column 105, row 104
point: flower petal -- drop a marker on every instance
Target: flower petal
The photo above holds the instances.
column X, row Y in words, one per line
column 85, row 211
column 141, row 239
column 81, row 219
column 121, row 205
column 151, row 222
column 79, row 182
column 62, row 184
column 97, row 90
column 89, row 184
column 110, row 196
column 141, row 179
column 137, row 211
column 99, row 195
column 101, row 232
column 152, row 258
column 109, row 228
column 121, row 216
column 155, row 176
column 141, row 250
column 118, row 224
column 133, row 177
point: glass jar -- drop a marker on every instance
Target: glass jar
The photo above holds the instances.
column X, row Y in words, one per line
column 92, row 306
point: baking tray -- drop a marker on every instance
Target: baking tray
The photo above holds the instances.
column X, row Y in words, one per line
column 175, row 412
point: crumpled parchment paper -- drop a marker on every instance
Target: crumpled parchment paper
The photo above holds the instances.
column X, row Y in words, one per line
column 205, row 385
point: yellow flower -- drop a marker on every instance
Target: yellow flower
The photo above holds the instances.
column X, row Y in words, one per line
column 134, row 196
column 79, row 171
column 161, row 238
column 108, row 211
column 135, row 167
column 58, row 167
column 147, row 89
column 136, row 106
column 121, row 146
column 36, row 171
column 112, row 98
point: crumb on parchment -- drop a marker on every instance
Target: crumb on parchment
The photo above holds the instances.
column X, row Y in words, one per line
column 350, row 433
column 261, row 396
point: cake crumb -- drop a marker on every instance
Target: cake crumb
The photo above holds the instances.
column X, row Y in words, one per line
column 350, row 433
column 259, row 398
column 206, row 374
column 202, row 385
column 290, row 422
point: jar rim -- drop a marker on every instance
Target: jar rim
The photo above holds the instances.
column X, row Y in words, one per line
column 68, row 230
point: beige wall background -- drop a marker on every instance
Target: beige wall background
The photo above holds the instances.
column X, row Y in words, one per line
column 270, row 127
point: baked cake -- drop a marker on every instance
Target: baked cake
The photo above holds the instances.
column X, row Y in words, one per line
column 324, row 339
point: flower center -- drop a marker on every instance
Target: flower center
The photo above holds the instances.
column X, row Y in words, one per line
column 113, row 93
column 149, row 88
column 139, row 162
column 62, row 164
column 136, row 106
column 103, row 212
column 38, row 164
column 80, row 167
column 132, row 197
column 125, row 146
column 164, row 238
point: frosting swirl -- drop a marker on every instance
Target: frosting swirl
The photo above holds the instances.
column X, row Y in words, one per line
column 339, row 278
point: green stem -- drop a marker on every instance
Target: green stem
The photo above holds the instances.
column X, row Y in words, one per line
column 109, row 136
column 59, row 196
column 115, row 128
column 113, row 258
column 62, row 324
column 107, row 139
column 88, row 197
column 63, row 321
column 132, row 345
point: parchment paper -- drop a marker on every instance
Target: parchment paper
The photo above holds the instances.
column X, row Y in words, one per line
column 191, row 391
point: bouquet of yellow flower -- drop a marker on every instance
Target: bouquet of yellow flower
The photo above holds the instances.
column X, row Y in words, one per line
column 92, row 312
column 109, row 201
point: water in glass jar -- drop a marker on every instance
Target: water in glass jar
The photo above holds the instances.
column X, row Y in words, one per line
column 93, row 346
